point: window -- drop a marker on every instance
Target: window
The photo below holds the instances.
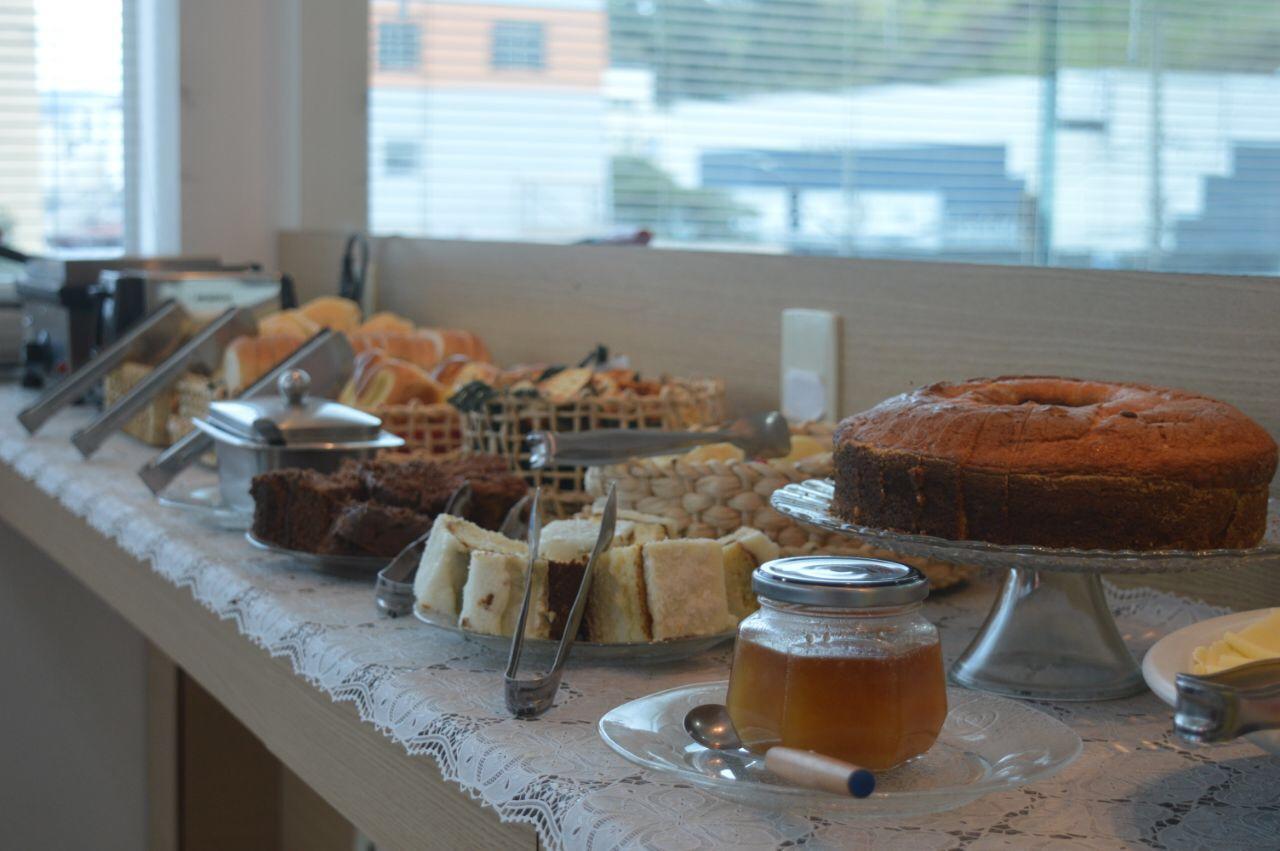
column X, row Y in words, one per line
column 62, row 157
column 400, row 159
column 399, row 45
column 1141, row 134
column 517, row 44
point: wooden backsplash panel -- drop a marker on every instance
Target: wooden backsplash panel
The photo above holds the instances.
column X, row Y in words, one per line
column 904, row 324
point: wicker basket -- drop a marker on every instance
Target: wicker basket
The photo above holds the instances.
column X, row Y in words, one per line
column 151, row 424
column 713, row 498
column 432, row 428
column 501, row 426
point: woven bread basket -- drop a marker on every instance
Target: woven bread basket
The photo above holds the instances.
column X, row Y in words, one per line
column 501, row 425
column 151, row 424
column 713, row 498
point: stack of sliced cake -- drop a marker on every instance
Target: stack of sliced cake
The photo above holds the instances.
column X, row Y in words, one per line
column 645, row 588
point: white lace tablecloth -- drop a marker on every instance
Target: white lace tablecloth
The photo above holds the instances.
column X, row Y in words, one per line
column 441, row 697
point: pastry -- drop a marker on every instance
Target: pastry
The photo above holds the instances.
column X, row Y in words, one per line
column 442, row 572
column 494, row 591
column 618, row 609
column 247, row 359
column 331, row 311
column 744, row 550
column 1057, row 462
column 379, row 379
column 423, row 350
column 684, row 588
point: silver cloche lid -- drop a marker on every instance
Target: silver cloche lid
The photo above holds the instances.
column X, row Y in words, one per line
column 839, row 582
column 292, row 417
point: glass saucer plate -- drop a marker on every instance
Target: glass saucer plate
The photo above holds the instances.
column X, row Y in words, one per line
column 544, row 650
column 988, row 744
column 810, row 502
column 362, row 566
column 205, row 503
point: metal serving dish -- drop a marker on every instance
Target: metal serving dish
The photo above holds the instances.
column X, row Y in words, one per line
column 253, row 436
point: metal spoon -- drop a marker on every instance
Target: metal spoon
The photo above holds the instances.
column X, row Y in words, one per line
column 759, row 436
column 710, row 726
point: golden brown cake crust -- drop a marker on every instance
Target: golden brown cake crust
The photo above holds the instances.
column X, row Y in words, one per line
column 1058, row 462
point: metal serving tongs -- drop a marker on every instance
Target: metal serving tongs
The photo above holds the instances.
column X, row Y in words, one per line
column 532, row 697
column 1223, row 706
column 393, row 592
column 759, row 436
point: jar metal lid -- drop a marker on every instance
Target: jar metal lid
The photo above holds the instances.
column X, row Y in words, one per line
column 839, row 582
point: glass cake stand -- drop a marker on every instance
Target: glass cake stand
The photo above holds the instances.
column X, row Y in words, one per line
column 1050, row 634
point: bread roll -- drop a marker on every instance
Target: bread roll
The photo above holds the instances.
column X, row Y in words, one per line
column 383, row 380
column 457, row 341
column 287, row 323
column 331, row 311
column 425, row 351
column 247, row 359
column 384, row 323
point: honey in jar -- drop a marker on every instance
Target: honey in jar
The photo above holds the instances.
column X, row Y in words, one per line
column 839, row 660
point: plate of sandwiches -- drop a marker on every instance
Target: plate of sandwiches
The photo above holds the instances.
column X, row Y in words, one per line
column 653, row 598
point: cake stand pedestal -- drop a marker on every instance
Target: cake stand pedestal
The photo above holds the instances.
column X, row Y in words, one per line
column 1050, row 634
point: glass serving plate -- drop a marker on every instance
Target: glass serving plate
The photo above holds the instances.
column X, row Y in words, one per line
column 1050, row 634
column 361, row 566
column 206, row 505
column 988, row 744
column 544, row 650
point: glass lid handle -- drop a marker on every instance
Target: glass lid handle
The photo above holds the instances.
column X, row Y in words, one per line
column 293, row 386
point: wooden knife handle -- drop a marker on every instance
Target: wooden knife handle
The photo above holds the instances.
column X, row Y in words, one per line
column 815, row 771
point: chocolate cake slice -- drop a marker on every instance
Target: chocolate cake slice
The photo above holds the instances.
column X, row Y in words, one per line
column 379, row 530
column 296, row 508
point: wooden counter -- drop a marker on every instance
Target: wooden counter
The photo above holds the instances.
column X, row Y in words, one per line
column 396, row 800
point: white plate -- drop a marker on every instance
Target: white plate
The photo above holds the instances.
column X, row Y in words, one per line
column 988, row 744
column 1171, row 656
column 205, row 503
column 544, row 650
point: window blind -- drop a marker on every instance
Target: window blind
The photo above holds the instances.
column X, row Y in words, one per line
column 1142, row 134
column 62, row 140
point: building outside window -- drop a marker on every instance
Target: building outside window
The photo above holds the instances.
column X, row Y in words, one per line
column 400, row 158
column 518, row 45
column 399, row 45
column 62, row 151
column 1133, row 135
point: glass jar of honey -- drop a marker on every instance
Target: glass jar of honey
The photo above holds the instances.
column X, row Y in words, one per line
column 839, row 660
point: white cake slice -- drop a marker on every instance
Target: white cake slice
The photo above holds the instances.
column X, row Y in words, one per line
column 685, row 588
column 617, row 608
column 643, row 527
column 744, row 550
column 494, row 590
column 443, row 569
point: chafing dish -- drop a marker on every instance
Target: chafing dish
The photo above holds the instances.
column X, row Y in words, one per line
column 253, row 436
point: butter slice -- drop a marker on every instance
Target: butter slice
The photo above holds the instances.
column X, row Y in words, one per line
column 1259, row 640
